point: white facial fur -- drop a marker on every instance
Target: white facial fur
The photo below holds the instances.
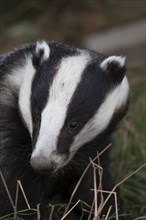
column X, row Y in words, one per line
column 20, row 80
column 25, row 88
column 25, row 93
column 61, row 91
column 114, row 100
column 13, row 82
column 53, row 116
column 63, row 86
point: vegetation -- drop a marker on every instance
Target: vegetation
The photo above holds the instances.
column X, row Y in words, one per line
column 130, row 150
column 68, row 21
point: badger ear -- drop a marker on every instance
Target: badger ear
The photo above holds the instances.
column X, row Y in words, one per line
column 41, row 53
column 115, row 67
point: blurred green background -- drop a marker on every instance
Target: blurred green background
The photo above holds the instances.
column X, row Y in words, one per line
column 76, row 22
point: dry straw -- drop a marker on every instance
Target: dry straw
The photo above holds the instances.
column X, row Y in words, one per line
column 95, row 208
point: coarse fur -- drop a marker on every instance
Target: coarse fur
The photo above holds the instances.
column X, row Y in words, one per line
column 59, row 106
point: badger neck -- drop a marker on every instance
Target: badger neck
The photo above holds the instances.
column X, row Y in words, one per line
column 96, row 150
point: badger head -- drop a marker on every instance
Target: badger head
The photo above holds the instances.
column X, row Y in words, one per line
column 67, row 99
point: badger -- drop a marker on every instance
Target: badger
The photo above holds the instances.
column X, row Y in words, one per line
column 59, row 106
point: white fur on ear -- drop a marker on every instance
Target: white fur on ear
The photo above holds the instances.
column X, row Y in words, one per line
column 120, row 60
column 43, row 50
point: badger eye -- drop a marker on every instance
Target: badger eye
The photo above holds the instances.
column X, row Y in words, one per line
column 36, row 118
column 73, row 125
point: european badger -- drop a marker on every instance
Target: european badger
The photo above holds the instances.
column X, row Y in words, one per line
column 59, row 105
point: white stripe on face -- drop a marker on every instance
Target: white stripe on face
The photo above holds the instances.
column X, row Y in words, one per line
column 13, row 82
column 25, row 93
column 115, row 99
column 53, row 116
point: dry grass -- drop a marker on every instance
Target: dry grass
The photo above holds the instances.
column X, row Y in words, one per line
column 95, row 208
column 19, row 188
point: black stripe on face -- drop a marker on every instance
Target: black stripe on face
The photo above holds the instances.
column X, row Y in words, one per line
column 87, row 98
column 42, row 82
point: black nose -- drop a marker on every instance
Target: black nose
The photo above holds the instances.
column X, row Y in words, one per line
column 42, row 165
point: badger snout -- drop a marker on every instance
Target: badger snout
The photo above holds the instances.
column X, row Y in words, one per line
column 41, row 164
column 46, row 164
